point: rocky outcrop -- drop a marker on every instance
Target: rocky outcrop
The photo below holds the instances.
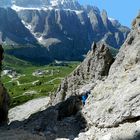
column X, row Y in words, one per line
column 69, row 107
column 112, row 110
column 12, row 29
column 4, row 97
column 95, row 67
column 62, row 121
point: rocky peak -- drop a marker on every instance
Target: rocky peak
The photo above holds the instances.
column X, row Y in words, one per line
column 115, row 22
column 106, row 21
column 136, row 23
column 90, row 8
column 56, row 4
column 104, row 13
column 12, row 29
column 104, row 17
column 95, row 67
column 66, row 4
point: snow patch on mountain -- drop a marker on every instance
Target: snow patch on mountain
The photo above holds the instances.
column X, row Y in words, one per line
column 111, row 19
column 18, row 8
column 115, row 22
column 55, row 4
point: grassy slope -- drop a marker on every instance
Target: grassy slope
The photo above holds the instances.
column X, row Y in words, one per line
column 44, row 85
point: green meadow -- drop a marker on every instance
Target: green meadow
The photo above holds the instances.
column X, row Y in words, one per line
column 32, row 81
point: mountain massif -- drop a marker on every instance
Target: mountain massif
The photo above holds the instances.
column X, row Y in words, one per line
column 57, row 30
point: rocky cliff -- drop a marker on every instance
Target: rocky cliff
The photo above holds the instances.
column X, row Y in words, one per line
column 57, row 30
column 112, row 110
column 68, row 34
column 12, row 29
column 95, row 67
column 61, row 4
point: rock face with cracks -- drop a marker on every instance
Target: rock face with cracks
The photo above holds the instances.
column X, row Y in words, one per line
column 113, row 109
column 95, row 67
column 43, row 35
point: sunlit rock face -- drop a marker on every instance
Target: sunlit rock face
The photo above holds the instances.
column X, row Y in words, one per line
column 95, row 67
column 112, row 110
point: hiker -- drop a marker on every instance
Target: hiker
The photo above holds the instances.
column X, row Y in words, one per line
column 84, row 97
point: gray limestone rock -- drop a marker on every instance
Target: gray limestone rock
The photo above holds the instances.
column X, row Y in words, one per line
column 112, row 110
column 95, row 67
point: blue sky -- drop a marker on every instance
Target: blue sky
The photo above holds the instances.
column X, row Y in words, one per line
column 123, row 10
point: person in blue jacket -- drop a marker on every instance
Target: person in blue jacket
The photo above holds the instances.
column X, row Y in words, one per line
column 84, row 97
